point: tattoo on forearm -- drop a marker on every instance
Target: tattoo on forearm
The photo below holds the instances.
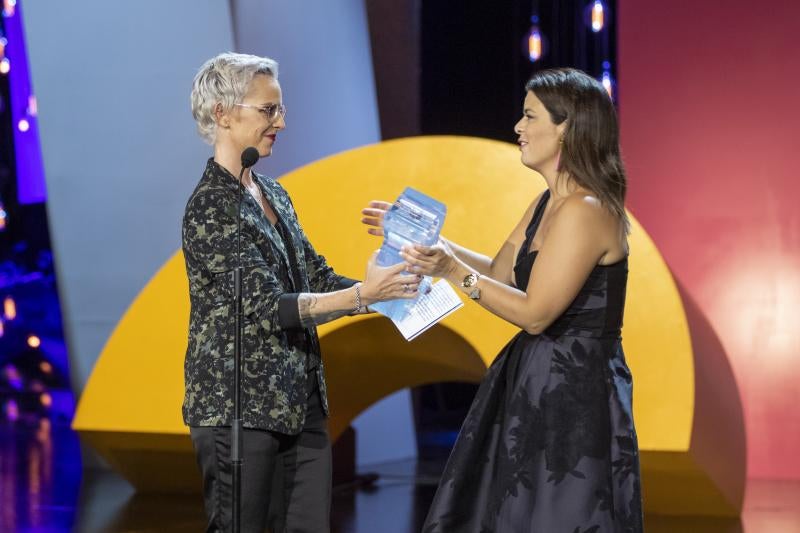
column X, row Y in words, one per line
column 310, row 312
column 305, row 304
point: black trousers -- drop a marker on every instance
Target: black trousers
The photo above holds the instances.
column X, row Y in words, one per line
column 286, row 479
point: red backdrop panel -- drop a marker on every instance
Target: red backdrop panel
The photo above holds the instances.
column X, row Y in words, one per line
column 710, row 109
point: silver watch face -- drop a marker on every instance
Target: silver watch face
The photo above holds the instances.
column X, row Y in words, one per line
column 469, row 280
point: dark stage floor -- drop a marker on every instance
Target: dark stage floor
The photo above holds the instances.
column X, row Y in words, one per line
column 44, row 489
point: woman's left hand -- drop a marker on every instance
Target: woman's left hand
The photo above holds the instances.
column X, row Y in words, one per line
column 373, row 216
column 437, row 260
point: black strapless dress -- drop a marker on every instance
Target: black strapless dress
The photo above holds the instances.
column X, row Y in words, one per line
column 549, row 444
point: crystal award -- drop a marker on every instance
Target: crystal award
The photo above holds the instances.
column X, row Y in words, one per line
column 415, row 218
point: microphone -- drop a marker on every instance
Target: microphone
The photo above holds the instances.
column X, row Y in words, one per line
column 249, row 157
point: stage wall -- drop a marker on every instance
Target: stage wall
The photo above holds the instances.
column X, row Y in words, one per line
column 708, row 95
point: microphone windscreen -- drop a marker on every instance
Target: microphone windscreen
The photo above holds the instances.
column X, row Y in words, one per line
column 249, row 157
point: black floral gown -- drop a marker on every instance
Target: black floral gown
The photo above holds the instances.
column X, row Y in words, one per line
column 549, row 444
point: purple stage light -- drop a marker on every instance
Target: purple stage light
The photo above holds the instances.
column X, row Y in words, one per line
column 30, row 170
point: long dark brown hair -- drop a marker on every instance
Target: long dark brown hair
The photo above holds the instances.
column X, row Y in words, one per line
column 590, row 152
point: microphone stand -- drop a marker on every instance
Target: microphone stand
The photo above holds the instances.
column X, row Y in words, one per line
column 236, row 423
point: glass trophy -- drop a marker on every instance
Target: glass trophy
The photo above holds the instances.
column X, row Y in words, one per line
column 415, row 218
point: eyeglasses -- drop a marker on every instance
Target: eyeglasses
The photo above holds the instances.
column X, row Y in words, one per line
column 271, row 111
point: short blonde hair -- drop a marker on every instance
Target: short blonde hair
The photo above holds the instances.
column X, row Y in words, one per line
column 224, row 79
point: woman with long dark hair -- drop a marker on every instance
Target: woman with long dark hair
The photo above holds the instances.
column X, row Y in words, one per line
column 549, row 443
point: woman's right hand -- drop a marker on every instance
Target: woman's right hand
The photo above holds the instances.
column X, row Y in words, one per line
column 373, row 216
column 388, row 283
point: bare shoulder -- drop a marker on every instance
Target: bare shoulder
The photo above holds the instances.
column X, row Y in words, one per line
column 582, row 216
column 584, row 209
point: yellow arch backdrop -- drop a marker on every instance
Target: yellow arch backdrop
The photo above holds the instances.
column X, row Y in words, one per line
column 130, row 408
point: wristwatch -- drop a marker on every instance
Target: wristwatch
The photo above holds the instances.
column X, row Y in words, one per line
column 471, row 282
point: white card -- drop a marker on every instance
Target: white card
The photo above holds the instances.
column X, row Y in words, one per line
column 428, row 310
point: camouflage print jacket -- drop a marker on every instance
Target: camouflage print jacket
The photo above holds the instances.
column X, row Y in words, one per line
column 276, row 349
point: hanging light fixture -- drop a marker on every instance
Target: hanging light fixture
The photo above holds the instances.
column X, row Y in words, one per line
column 598, row 16
column 535, row 44
column 608, row 83
column 9, row 308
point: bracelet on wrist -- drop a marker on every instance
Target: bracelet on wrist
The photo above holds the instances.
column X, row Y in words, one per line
column 358, row 299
